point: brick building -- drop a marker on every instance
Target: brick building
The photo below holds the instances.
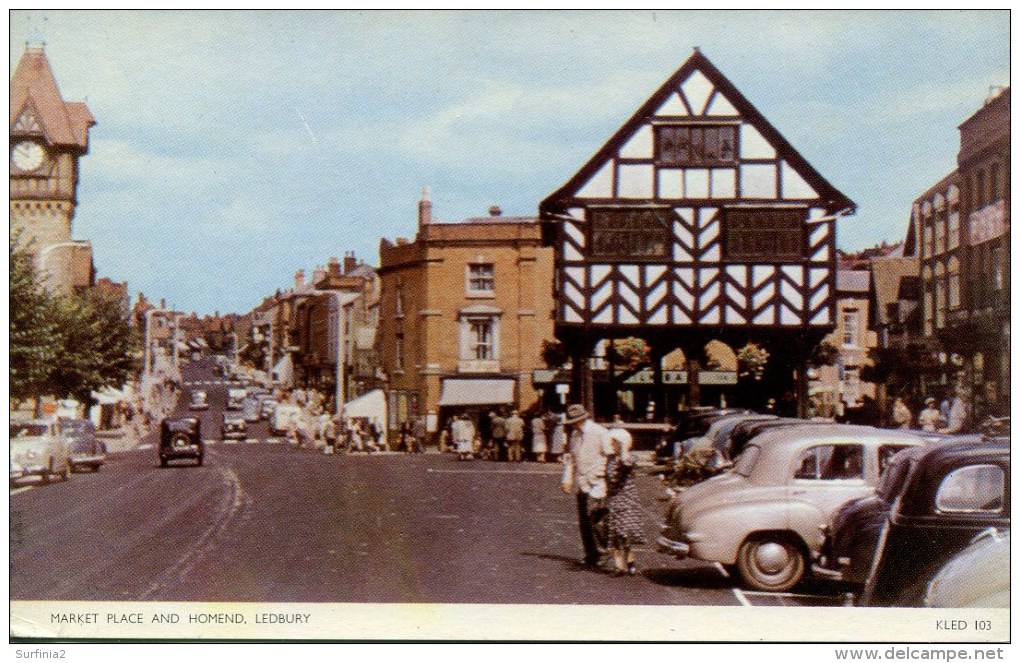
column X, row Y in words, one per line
column 464, row 310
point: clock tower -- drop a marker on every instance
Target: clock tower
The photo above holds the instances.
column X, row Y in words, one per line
column 47, row 138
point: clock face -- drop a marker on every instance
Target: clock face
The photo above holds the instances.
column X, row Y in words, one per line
column 28, row 155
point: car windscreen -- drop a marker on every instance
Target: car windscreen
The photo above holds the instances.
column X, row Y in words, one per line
column 28, row 430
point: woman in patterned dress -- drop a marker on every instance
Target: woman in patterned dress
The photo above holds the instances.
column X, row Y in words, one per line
column 623, row 522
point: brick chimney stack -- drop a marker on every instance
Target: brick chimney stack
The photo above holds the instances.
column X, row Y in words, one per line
column 299, row 279
column 350, row 262
column 495, row 210
column 424, row 209
column 333, row 266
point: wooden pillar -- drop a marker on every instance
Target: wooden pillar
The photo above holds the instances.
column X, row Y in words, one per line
column 655, row 355
column 692, row 355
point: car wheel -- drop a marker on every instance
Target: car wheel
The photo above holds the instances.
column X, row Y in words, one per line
column 65, row 473
column 770, row 563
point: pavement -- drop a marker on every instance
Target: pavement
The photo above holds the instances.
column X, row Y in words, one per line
column 119, row 439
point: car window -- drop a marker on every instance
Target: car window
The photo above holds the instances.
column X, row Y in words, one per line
column 885, row 454
column 972, row 488
column 831, row 462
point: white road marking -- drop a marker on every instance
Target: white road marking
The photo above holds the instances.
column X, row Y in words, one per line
column 230, row 441
column 144, row 446
column 743, row 599
column 21, row 490
column 719, row 567
column 209, row 441
column 482, row 471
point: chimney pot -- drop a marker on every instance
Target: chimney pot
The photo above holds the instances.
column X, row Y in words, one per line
column 424, row 209
column 299, row 278
column 350, row 262
column 495, row 211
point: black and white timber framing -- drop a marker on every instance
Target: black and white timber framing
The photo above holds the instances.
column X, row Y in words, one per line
column 695, row 221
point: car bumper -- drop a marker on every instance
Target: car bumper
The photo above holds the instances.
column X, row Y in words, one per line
column 90, row 459
column 189, row 451
column 21, row 470
column 677, row 549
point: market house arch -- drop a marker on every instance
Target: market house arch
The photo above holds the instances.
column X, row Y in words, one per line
column 695, row 221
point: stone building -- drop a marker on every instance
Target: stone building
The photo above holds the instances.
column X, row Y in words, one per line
column 48, row 137
column 463, row 314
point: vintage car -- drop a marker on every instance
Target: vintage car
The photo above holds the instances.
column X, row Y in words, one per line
column 235, row 398
column 180, row 437
column 234, row 426
column 38, row 449
column 977, row 577
column 199, row 401
column 86, row 450
column 251, row 409
column 953, row 492
column 286, row 418
column 761, row 517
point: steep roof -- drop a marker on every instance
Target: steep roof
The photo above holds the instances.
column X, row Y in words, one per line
column 696, row 63
column 889, row 276
column 36, row 101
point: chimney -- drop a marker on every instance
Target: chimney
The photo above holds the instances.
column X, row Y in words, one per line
column 424, row 208
column 162, row 304
column 495, row 211
column 349, row 262
column 333, row 266
column 299, row 279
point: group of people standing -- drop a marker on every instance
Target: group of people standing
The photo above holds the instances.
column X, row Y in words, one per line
column 494, row 436
column 948, row 417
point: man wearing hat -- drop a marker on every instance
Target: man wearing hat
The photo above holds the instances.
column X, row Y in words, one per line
column 584, row 471
column 930, row 417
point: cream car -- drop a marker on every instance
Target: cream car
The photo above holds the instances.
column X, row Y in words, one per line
column 762, row 517
column 37, row 449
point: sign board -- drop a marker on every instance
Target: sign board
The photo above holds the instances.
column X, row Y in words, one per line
column 563, row 389
column 988, row 223
column 646, row 376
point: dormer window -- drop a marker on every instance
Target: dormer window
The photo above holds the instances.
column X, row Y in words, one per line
column 696, row 145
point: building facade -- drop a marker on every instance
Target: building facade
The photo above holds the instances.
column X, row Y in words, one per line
column 463, row 313
column 960, row 234
column 48, row 137
column 696, row 221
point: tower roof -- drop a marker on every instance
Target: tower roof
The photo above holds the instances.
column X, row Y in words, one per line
column 36, row 104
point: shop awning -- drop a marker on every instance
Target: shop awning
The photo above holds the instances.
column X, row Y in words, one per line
column 457, row 391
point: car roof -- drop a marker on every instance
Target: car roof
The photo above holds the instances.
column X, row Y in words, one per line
column 806, row 435
column 939, row 459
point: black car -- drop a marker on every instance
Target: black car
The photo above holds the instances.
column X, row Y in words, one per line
column 85, row 449
column 180, row 437
column 952, row 493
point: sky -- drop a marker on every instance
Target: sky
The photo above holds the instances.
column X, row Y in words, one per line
column 234, row 147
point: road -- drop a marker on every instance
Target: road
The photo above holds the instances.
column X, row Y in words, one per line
column 262, row 521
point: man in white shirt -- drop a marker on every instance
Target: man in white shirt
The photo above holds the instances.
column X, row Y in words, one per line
column 585, row 472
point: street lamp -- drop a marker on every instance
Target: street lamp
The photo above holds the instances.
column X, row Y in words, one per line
column 341, row 299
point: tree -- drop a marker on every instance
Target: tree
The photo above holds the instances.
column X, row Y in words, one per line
column 98, row 346
column 554, row 354
column 630, row 353
column 823, row 354
column 35, row 338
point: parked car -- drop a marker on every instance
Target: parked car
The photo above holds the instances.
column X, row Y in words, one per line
column 180, row 437
column 285, row 418
column 268, row 407
column 977, row 577
column 953, row 492
column 235, row 398
column 234, row 426
column 38, row 449
column 762, row 516
column 86, row 450
column 199, row 401
column 251, row 409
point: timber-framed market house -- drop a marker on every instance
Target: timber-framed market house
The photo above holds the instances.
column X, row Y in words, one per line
column 696, row 222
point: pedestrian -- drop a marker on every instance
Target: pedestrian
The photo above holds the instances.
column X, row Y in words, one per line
column 514, row 437
column 463, row 437
column 623, row 521
column 957, row 414
column 539, row 444
column 499, row 435
column 419, row 430
column 558, row 435
column 584, row 473
column 901, row 416
column 930, row 418
column 444, row 441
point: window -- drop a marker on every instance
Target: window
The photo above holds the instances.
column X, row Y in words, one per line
column 993, row 183
column 954, row 228
column 940, row 301
column 481, row 339
column 832, row 462
column 398, row 362
column 972, row 488
column 928, row 239
column 998, row 269
column 624, row 233
column 940, row 232
column 979, row 190
column 851, row 326
column 695, row 145
column 481, row 278
column 763, row 234
column 400, row 302
column 953, row 280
